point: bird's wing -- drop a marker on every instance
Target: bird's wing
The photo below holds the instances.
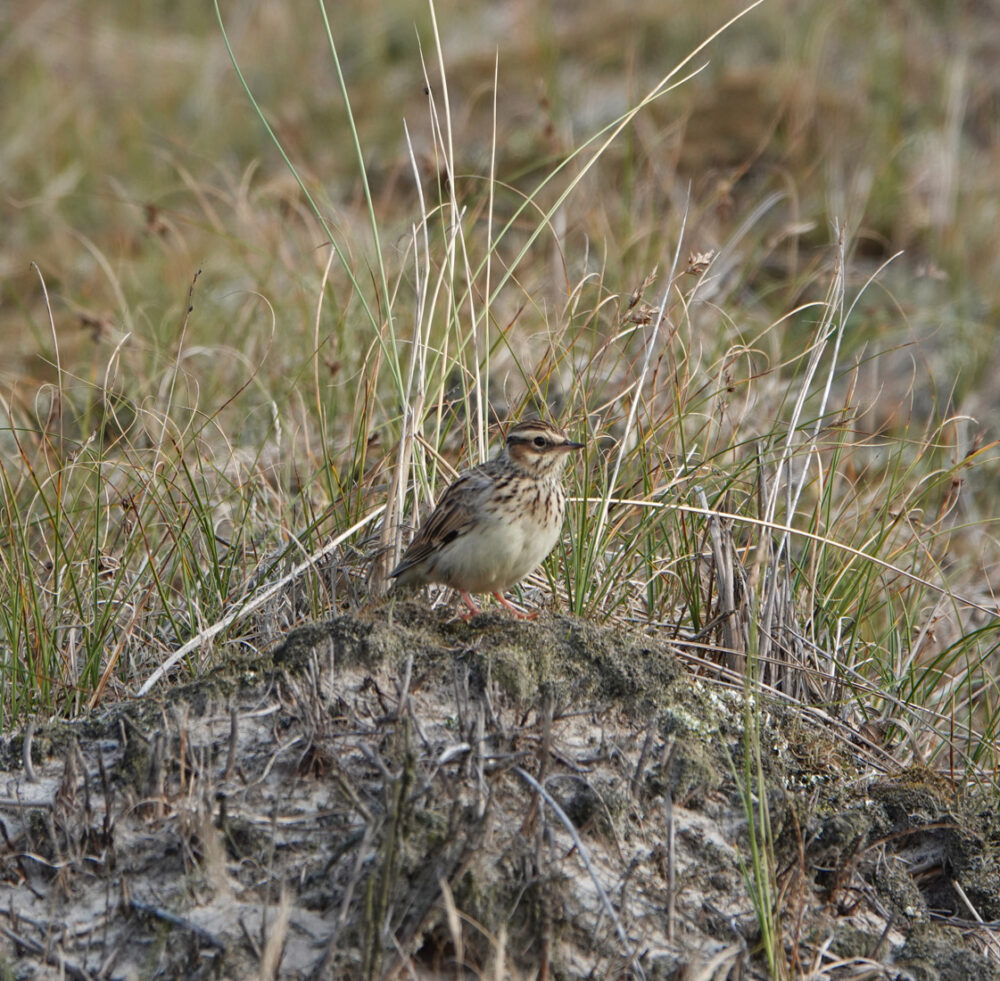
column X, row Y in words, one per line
column 453, row 516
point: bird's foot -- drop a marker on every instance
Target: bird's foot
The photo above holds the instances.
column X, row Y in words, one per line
column 470, row 603
column 519, row 613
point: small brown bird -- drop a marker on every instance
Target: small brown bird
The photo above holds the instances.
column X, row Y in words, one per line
column 498, row 521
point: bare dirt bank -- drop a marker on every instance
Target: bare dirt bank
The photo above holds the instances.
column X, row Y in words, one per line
column 398, row 795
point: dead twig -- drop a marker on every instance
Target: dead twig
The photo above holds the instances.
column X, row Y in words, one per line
column 53, row 957
column 179, row 921
column 582, row 851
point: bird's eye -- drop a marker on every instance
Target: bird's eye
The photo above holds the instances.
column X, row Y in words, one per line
column 539, row 441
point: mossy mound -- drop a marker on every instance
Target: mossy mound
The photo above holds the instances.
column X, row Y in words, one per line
column 403, row 791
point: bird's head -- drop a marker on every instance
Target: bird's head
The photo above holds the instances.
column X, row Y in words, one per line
column 539, row 448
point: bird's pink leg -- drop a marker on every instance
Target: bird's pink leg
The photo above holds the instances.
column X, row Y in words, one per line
column 470, row 603
column 510, row 606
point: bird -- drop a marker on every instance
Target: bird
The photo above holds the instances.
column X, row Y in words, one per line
column 497, row 522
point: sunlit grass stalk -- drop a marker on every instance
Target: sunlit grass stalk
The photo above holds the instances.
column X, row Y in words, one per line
column 317, row 211
column 760, row 875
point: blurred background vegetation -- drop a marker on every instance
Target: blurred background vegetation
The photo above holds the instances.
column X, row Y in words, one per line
column 131, row 158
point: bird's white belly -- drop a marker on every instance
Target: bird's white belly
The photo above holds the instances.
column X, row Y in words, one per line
column 497, row 556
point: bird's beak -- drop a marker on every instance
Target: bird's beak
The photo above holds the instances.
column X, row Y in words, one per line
column 570, row 445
